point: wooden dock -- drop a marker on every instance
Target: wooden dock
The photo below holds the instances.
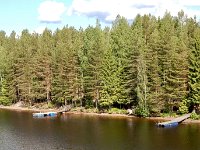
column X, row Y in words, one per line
column 65, row 109
column 174, row 122
column 62, row 111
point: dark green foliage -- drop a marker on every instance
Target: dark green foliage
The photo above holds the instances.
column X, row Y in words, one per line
column 152, row 65
column 183, row 109
column 110, row 81
column 4, row 97
column 141, row 112
column 194, row 70
column 117, row 111
column 120, row 48
column 195, row 116
column 93, row 50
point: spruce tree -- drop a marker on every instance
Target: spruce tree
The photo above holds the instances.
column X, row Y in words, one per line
column 140, row 66
column 194, row 70
column 154, row 78
column 4, row 87
column 121, row 47
column 25, row 66
column 43, row 66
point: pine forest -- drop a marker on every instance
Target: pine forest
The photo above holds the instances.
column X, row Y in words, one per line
column 150, row 65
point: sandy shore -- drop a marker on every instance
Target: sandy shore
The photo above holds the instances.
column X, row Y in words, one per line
column 157, row 119
column 26, row 109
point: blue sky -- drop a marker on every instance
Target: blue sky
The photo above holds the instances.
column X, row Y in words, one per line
column 24, row 14
column 35, row 15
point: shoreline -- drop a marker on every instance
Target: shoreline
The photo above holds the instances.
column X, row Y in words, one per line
column 158, row 119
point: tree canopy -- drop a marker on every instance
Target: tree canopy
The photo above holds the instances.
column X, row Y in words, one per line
column 151, row 65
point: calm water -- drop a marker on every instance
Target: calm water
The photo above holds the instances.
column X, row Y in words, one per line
column 19, row 131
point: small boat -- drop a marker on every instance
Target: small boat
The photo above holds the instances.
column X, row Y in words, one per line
column 45, row 114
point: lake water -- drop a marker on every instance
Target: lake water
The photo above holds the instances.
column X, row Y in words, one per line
column 20, row 131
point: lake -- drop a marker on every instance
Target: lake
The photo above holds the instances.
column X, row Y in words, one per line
column 20, row 131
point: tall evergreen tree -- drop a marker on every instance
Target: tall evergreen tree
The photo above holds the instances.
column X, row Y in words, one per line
column 166, row 59
column 194, row 70
column 25, row 66
column 93, row 51
column 43, row 66
column 11, row 69
column 4, row 86
column 121, row 47
column 140, row 66
column 154, row 78
column 60, row 85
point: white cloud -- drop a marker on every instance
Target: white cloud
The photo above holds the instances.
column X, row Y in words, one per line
column 50, row 11
column 40, row 29
column 107, row 10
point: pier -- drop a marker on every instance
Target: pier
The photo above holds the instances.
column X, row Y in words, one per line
column 174, row 122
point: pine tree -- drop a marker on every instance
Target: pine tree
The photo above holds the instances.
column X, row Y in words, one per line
column 66, row 67
column 74, row 74
column 154, row 77
column 182, row 63
column 194, row 70
column 25, row 66
column 140, row 66
column 60, row 93
column 121, row 47
column 92, row 64
column 43, row 66
column 110, row 92
column 4, row 87
column 166, row 56
column 10, row 74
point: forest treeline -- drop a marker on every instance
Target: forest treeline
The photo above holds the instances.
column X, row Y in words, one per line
column 151, row 65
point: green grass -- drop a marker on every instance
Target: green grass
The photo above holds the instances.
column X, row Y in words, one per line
column 117, row 111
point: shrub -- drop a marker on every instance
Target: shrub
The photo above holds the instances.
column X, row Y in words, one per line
column 50, row 105
column 171, row 114
column 89, row 104
column 91, row 110
column 155, row 112
column 183, row 109
column 5, row 101
column 117, row 111
column 104, row 105
column 141, row 112
column 194, row 116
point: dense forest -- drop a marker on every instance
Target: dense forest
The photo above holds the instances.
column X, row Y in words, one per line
column 151, row 65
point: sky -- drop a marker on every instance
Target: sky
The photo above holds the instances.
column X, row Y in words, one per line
column 36, row 15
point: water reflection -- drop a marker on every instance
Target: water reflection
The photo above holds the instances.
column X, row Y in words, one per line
column 18, row 130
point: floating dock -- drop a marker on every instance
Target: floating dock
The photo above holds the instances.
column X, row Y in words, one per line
column 53, row 114
column 45, row 114
column 174, row 122
column 50, row 114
